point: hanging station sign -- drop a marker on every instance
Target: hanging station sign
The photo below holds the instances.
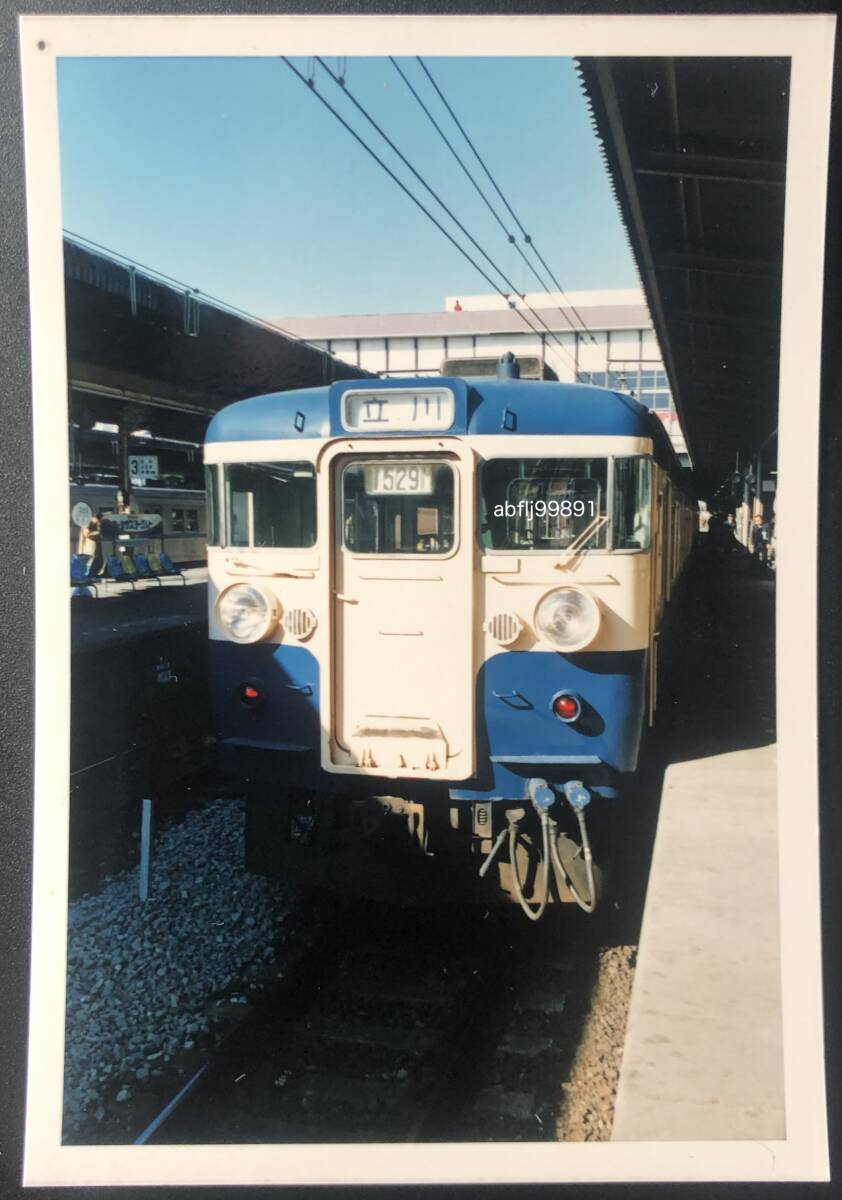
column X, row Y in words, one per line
column 120, row 523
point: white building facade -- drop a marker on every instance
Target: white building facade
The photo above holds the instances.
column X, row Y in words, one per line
column 600, row 337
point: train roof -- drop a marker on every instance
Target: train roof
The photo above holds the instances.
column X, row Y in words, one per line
column 484, row 405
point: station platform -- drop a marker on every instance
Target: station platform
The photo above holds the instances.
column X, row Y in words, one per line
column 703, row 1055
column 139, row 710
column 119, row 612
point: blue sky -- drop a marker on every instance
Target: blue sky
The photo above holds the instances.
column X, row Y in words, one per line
column 229, row 175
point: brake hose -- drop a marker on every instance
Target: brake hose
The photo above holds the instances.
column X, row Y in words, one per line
column 549, row 846
column 587, row 906
column 533, row 914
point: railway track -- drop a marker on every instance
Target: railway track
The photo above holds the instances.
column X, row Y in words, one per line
column 404, row 1026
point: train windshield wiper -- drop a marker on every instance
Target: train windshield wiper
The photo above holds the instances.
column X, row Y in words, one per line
column 579, row 542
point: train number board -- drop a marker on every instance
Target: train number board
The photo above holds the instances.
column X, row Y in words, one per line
column 397, row 409
column 412, row 478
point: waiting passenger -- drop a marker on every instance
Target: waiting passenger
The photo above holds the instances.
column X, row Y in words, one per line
column 761, row 536
column 90, row 543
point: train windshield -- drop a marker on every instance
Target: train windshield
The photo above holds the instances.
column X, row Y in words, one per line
column 544, row 503
column 270, row 504
column 398, row 506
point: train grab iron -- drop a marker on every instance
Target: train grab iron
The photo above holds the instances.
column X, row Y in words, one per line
column 435, row 608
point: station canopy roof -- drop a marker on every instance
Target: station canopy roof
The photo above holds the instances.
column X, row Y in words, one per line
column 145, row 350
column 696, row 152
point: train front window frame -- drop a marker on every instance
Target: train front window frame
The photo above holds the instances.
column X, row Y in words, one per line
column 251, row 509
column 486, row 503
column 214, row 508
column 609, row 529
column 445, row 509
column 631, row 506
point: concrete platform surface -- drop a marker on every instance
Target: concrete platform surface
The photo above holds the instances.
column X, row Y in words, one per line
column 703, row 1057
column 120, row 613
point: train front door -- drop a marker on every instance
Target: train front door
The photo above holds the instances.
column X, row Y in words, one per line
column 403, row 669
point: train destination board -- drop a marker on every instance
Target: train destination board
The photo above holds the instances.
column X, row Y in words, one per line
column 429, row 409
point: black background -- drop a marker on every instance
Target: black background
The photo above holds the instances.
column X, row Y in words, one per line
column 19, row 565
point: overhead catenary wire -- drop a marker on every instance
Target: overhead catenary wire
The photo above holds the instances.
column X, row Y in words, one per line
column 510, row 237
column 361, row 109
column 339, row 80
column 526, row 237
column 310, row 85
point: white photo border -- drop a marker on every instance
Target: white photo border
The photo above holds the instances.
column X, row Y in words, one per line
column 806, row 39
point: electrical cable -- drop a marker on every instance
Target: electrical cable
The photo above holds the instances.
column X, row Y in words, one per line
column 360, row 108
column 510, row 237
column 476, row 152
column 513, row 288
column 454, row 152
column 526, row 237
column 311, row 87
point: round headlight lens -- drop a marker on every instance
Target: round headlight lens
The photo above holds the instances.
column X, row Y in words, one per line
column 567, row 619
column 246, row 612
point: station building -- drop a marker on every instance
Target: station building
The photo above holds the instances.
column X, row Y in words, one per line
column 601, row 337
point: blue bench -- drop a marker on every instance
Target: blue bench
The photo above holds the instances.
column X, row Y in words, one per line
column 80, row 575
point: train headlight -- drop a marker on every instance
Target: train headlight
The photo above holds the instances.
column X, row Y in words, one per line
column 567, row 619
column 247, row 612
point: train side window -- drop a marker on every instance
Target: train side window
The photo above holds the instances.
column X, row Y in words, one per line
column 542, row 503
column 271, row 504
column 185, row 520
column 398, row 506
column 632, row 504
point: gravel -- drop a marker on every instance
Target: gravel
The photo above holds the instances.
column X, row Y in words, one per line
column 142, row 979
column 587, row 1112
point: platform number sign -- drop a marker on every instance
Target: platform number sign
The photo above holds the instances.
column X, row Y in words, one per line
column 143, row 467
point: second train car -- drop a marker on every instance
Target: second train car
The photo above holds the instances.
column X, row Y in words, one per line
column 434, row 617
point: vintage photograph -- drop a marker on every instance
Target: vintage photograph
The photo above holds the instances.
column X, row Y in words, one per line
column 435, row 512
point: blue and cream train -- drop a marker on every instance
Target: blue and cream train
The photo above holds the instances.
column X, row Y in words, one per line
column 435, row 608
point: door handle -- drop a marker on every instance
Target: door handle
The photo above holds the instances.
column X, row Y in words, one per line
column 346, row 599
column 304, row 688
column 512, row 698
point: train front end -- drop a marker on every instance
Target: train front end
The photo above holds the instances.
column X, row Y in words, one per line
column 432, row 612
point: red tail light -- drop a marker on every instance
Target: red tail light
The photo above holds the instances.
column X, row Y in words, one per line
column 567, row 707
column 251, row 694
